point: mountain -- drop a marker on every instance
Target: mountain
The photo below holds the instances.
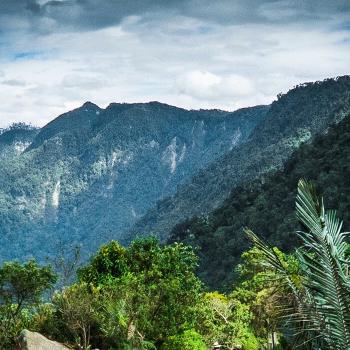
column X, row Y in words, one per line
column 294, row 118
column 16, row 138
column 267, row 205
column 88, row 175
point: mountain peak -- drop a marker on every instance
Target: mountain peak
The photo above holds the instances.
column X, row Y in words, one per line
column 90, row 105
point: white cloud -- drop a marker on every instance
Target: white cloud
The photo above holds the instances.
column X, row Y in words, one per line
column 209, row 86
column 184, row 61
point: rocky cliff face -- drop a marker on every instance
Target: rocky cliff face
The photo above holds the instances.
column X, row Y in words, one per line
column 87, row 176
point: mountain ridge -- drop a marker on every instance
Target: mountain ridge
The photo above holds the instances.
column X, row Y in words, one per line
column 91, row 172
column 267, row 206
column 293, row 118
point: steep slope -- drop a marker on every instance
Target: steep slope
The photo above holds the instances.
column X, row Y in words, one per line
column 267, row 205
column 294, row 118
column 90, row 173
column 16, row 138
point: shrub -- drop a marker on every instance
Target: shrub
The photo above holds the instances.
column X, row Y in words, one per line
column 188, row 340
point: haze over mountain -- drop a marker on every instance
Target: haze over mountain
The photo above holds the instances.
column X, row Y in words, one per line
column 89, row 174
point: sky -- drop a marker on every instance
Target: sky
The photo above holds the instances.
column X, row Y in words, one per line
column 226, row 54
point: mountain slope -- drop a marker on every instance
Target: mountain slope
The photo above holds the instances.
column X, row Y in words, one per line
column 267, row 205
column 295, row 117
column 90, row 173
column 16, row 138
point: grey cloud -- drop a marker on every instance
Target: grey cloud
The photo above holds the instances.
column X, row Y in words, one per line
column 83, row 82
column 191, row 53
column 79, row 14
column 91, row 14
column 15, row 6
column 14, row 82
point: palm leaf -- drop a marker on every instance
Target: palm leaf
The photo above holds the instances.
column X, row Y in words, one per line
column 321, row 309
column 298, row 316
column 323, row 263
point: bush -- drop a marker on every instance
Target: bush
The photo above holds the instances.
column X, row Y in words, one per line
column 250, row 342
column 188, row 340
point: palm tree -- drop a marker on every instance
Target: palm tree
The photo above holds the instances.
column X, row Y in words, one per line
column 320, row 312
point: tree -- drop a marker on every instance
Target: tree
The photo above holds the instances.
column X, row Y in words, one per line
column 21, row 288
column 109, row 262
column 227, row 321
column 77, row 308
column 150, row 291
column 261, row 289
column 65, row 263
column 321, row 307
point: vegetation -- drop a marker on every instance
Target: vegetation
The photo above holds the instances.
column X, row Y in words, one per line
column 266, row 205
column 319, row 306
column 89, row 174
column 215, row 283
column 147, row 296
column 294, row 118
column 21, row 290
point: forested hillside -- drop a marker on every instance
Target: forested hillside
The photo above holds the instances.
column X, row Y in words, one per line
column 267, row 205
column 89, row 174
column 147, row 296
column 16, row 138
column 294, row 118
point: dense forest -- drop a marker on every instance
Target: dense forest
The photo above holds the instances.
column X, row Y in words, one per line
column 89, row 174
column 295, row 117
column 147, row 296
column 266, row 205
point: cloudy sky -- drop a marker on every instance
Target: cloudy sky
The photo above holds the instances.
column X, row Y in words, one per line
column 55, row 55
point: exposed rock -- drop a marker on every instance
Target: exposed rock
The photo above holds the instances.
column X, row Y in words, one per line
column 36, row 341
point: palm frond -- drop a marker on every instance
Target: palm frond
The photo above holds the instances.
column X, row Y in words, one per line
column 321, row 309
column 321, row 262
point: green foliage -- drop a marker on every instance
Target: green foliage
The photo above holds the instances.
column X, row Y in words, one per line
column 23, row 284
column 250, row 342
column 146, row 296
column 133, row 296
column 224, row 320
column 110, row 262
column 261, row 291
column 320, row 311
column 267, row 205
column 188, row 340
column 166, row 287
column 76, row 310
column 323, row 263
column 86, row 177
column 296, row 117
column 21, row 290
